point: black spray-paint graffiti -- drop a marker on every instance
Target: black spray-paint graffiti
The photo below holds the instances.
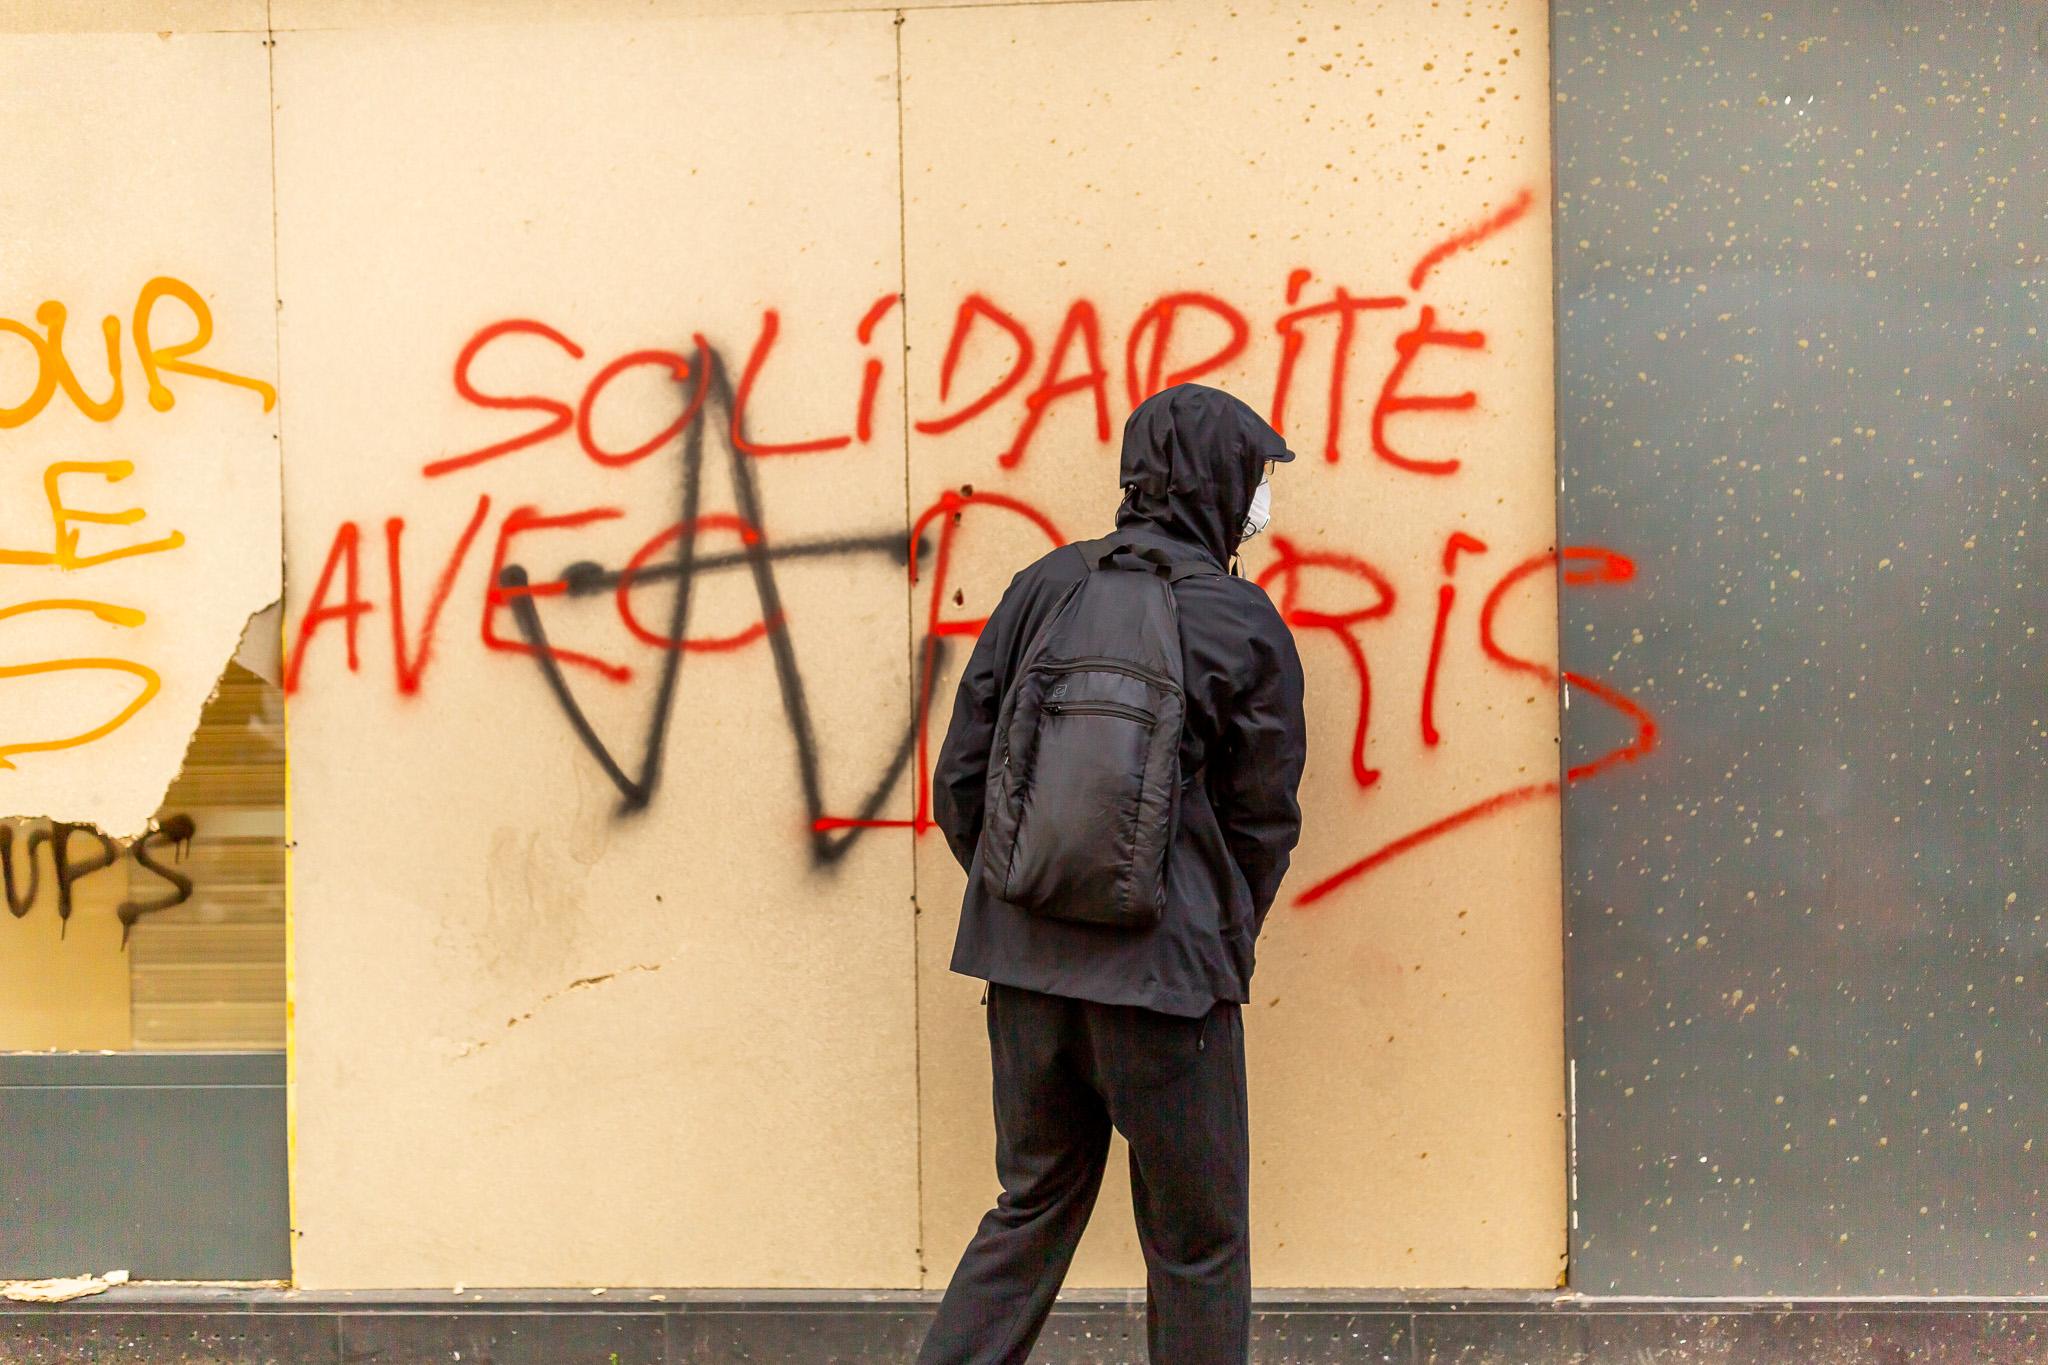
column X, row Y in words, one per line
column 759, row 557
column 21, row 872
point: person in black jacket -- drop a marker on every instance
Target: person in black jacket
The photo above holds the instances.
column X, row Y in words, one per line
column 1091, row 1027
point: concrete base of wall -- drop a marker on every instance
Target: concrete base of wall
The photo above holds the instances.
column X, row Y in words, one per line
column 191, row 1325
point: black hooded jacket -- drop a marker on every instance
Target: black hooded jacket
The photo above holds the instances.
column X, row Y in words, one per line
column 1192, row 457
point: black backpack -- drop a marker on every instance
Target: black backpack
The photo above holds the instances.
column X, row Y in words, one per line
column 1084, row 776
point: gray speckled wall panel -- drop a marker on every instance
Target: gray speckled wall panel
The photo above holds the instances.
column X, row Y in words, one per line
column 1802, row 299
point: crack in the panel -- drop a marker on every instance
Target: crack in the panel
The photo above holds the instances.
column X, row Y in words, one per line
column 580, row 983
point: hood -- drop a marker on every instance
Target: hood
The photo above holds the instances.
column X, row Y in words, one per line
column 1191, row 462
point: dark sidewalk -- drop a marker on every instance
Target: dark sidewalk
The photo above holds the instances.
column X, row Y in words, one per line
column 162, row 1324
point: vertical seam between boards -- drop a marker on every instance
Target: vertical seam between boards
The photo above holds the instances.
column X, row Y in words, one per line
column 917, row 680
column 291, row 1089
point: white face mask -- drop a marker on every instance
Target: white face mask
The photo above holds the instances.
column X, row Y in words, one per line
column 1262, row 507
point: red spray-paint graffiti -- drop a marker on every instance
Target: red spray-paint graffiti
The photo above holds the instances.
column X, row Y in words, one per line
column 1328, row 594
column 1608, row 567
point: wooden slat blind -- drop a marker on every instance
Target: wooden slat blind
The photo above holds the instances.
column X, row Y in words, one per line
column 209, row 974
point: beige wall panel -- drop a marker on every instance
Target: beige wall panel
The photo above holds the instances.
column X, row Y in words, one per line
column 1405, row 1044
column 141, row 194
column 298, row 14
column 133, row 16
column 65, row 981
column 539, row 1040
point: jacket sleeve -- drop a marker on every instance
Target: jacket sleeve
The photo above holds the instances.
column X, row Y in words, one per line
column 960, row 776
column 1255, row 784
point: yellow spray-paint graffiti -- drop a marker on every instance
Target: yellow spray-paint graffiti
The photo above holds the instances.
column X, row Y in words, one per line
column 67, row 553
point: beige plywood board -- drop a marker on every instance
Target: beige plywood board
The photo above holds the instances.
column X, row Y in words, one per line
column 133, row 16
column 1405, row 1047
column 139, row 479
column 300, row 14
column 64, row 976
column 542, row 1039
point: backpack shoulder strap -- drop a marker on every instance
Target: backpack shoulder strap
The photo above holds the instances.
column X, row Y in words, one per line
column 1115, row 552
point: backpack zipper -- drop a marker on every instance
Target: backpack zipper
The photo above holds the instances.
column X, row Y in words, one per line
column 1111, row 666
column 1096, row 708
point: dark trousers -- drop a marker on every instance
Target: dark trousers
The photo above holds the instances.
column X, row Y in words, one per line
column 1066, row 1071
